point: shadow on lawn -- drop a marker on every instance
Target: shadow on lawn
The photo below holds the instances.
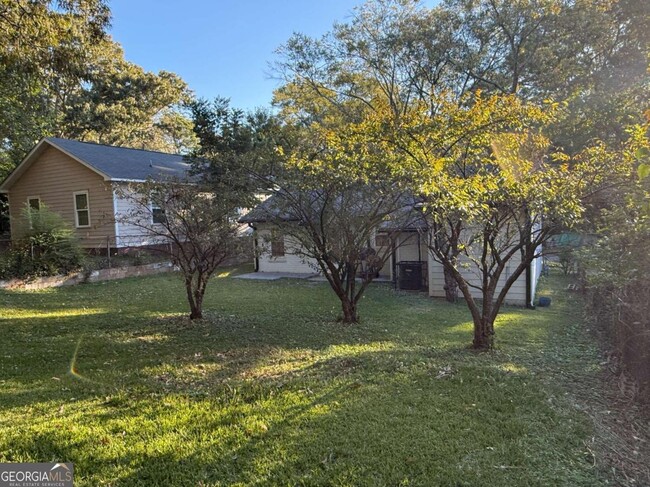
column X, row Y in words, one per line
column 171, row 354
column 403, row 423
column 268, row 400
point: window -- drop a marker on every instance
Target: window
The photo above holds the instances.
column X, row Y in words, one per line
column 382, row 240
column 34, row 203
column 277, row 247
column 81, row 209
column 157, row 214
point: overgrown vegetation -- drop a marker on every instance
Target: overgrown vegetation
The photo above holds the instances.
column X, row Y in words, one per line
column 116, row 379
column 617, row 275
column 48, row 248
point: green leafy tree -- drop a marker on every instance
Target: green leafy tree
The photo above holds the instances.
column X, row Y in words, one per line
column 121, row 104
column 44, row 46
column 62, row 75
column 491, row 194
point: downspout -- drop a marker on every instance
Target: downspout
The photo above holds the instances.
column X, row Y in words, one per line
column 529, row 287
column 529, row 274
column 255, row 247
column 394, row 261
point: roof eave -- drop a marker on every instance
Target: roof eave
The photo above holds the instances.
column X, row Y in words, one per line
column 124, row 180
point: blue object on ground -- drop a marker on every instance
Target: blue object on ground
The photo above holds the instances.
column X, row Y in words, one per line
column 544, row 301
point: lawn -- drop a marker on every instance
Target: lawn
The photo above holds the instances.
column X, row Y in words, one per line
column 270, row 390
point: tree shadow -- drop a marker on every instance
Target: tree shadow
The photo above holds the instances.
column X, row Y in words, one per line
column 261, row 393
column 374, row 418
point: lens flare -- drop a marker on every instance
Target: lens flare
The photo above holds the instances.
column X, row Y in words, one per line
column 73, row 364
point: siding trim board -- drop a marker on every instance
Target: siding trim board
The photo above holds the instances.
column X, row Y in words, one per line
column 115, row 222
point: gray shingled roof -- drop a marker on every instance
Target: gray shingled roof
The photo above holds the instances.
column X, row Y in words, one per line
column 125, row 163
column 274, row 210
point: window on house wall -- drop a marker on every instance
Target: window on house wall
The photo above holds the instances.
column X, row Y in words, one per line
column 382, row 240
column 34, row 203
column 81, row 209
column 157, row 214
column 277, row 246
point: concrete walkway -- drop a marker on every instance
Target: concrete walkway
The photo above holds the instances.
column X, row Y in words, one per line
column 274, row 276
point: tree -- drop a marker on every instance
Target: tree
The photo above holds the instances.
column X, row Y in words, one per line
column 121, row 104
column 617, row 286
column 44, row 45
column 198, row 230
column 61, row 75
column 591, row 54
column 338, row 226
column 478, row 161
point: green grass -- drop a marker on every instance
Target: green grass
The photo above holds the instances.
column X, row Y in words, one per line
column 269, row 390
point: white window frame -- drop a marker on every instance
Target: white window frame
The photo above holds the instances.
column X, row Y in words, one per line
column 152, row 207
column 77, row 210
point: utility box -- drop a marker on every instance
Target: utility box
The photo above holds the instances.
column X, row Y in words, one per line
column 412, row 275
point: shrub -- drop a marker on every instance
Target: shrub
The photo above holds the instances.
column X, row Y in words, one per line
column 48, row 248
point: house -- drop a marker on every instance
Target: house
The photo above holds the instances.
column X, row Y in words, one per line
column 87, row 184
column 410, row 265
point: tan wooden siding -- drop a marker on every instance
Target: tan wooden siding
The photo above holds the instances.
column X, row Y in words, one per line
column 54, row 177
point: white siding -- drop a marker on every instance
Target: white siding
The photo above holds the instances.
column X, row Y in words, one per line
column 292, row 261
column 407, row 247
column 127, row 215
column 516, row 295
column 289, row 263
column 387, row 270
column 536, row 271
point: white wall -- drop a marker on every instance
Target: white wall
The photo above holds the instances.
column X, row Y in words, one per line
column 292, row 261
column 126, row 210
column 289, row 263
column 407, row 247
column 516, row 295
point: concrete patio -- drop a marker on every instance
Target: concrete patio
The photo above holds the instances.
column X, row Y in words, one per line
column 274, row 276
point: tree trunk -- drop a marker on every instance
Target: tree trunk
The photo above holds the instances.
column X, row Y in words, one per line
column 195, row 301
column 483, row 334
column 451, row 287
column 350, row 314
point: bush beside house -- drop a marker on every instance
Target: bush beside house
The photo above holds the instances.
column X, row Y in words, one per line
column 48, row 248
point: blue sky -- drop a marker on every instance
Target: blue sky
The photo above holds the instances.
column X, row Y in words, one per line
column 219, row 47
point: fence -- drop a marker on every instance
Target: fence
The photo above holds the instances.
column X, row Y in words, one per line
column 132, row 250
